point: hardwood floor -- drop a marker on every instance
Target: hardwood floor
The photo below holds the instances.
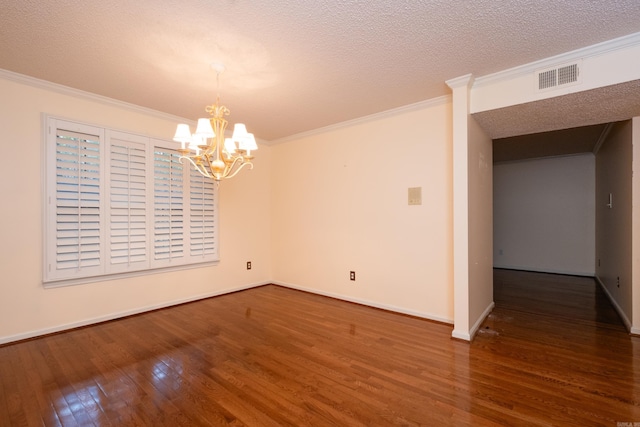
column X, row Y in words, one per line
column 553, row 352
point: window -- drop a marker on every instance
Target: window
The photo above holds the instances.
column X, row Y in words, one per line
column 118, row 203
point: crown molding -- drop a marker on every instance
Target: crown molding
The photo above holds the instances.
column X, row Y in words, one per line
column 466, row 80
column 81, row 94
column 624, row 42
column 441, row 100
column 603, row 137
column 66, row 90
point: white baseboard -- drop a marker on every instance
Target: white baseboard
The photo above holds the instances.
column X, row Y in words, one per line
column 623, row 316
column 465, row 336
column 113, row 316
column 545, row 270
column 468, row 336
column 483, row 316
column 387, row 307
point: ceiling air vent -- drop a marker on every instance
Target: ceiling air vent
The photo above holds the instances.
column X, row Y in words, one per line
column 547, row 79
column 558, row 76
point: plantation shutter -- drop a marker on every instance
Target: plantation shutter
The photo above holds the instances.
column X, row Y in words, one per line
column 117, row 203
column 74, row 217
column 203, row 219
column 127, row 202
column 168, row 187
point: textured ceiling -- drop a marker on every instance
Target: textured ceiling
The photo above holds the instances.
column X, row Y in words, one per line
column 602, row 105
column 558, row 126
column 292, row 65
column 547, row 144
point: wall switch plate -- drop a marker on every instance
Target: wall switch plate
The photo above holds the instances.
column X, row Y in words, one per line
column 248, row 265
column 415, row 196
column 352, row 275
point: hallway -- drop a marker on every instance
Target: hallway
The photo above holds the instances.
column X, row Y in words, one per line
column 563, row 334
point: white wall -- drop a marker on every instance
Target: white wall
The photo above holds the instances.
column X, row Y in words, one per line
column 544, row 215
column 613, row 225
column 26, row 308
column 340, row 204
column 472, row 215
column 635, row 214
column 608, row 63
column 480, row 225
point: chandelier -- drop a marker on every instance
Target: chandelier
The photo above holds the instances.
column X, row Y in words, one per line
column 208, row 150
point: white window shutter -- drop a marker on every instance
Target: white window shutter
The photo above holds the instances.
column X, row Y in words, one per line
column 127, row 204
column 118, row 203
column 74, row 233
column 203, row 219
column 168, row 197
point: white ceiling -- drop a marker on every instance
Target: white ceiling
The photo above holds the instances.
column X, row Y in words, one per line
column 292, row 65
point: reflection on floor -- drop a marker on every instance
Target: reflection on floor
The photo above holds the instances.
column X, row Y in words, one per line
column 553, row 352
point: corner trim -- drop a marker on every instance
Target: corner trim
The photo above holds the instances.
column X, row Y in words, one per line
column 368, row 303
column 483, row 316
column 474, row 329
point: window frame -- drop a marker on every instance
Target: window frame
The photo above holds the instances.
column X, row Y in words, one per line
column 114, row 193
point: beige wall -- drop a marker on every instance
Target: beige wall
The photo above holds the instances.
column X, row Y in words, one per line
column 340, row 204
column 472, row 215
column 613, row 225
column 480, row 157
column 26, row 308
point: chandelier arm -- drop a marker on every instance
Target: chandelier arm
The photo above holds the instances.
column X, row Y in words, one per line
column 240, row 168
column 203, row 171
column 230, row 166
column 200, row 169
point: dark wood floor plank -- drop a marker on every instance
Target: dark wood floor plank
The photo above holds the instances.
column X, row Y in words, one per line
column 553, row 352
column 31, row 370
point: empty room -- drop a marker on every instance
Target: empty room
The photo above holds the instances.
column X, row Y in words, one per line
column 304, row 213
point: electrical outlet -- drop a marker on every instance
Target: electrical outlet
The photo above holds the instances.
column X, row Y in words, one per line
column 352, row 275
column 248, row 265
column 618, row 281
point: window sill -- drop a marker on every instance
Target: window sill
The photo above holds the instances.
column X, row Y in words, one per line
column 126, row 275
